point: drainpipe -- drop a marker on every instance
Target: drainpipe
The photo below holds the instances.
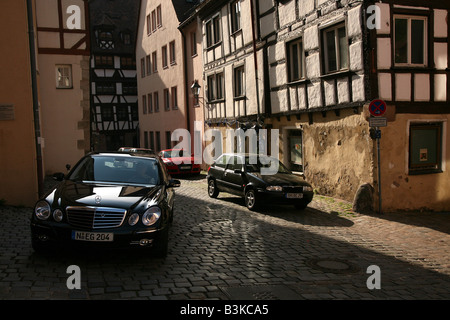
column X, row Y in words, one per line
column 34, row 89
column 255, row 58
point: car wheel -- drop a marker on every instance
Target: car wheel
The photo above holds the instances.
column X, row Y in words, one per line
column 213, row 192
column 251, row 201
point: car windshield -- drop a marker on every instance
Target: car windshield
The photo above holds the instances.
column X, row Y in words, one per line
column 117, row 169
column 264, row 162
column 174, row 153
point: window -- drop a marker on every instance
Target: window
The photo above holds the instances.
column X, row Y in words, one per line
column 105, row 87
column 168, row 140
column 216, row 87
column 153, row 21
column 152, row 140
column 144, row 104
column 64, row 76
column 154, row 64
column 149, row 26
column 158, row 17
column 295, row 60
column 166, row 100
column 239, row 78
column 129, row 88
column 425, row 148
column 150, row 103
column 335, row 47
column 149, row 64
column 213, row 32
column 145, row 140
column 122, row 113
column 126, row 38
column 107, row 113
column 127, row 63
column 164, row 57
column 295, row 150
column 174, row 96
column 410, row 41
column 172, row 53
column 142, row 67
column 158, row 141
column 193, row 44
column 156, row 101
column 104, row 61
column 235, row 16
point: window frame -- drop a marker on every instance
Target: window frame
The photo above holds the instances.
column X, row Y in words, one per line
column 235, row 19
column 172, row 53
column 409, row 50
column 213, row 31
column 300, row 60
column 60, row 77
column 174, row 97
column 426, row 168
column 239, row 86
column 337, row 45
column 164, row 57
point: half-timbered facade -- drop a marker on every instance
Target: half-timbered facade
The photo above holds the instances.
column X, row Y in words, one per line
column 411, row 73
column 63, row 62
column 232, row 65
column 114, row 117
column 317, row 87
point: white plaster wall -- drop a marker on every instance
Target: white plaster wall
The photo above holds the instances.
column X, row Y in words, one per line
column 440, row 87
column 440, row 55
column 403, row 87
column 385, row 86
column 422, row 87
column 383, row 53
column 440, row 23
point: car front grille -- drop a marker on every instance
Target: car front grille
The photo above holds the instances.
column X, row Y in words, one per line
column 293, row 189
column 95, row 217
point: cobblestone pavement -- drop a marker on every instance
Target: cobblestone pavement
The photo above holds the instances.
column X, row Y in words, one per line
column 220, row 250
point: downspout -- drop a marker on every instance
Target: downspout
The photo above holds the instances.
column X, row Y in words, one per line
column 255, row 58
column 37, row 128
column 187, row 88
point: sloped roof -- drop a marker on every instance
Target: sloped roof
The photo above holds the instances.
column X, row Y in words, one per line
column 120, row 16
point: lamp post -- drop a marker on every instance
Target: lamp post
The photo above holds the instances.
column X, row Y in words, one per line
column 195, row 89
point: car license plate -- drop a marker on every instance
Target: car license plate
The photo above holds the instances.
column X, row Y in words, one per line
column 185, row 167
column 92, row 236
column 294, row 195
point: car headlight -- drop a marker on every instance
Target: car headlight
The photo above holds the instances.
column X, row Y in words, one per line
column 307, row 189
column 151, row 216
column 58, row 215
column 274, row 188
column 42, row 210
column 134, row 218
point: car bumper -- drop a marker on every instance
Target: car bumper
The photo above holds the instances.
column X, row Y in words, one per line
column 183, row 169
column 285, row 197
column 63, row 235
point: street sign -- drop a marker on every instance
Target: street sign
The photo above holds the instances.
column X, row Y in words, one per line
column 377, row 122
column 377, row 107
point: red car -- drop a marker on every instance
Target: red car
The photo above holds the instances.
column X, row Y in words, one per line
column 177, row 162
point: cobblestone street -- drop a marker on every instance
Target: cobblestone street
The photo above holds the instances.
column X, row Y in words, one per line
column 220, row 250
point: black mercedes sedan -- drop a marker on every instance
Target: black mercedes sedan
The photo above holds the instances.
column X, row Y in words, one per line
column 258, row 179
column 108, row 200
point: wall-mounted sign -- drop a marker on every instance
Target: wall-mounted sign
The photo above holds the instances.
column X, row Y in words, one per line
column 6, row 112
column 377, row 107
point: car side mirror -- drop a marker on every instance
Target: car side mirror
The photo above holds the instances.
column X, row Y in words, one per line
column 59, row 176
column 174, row 183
